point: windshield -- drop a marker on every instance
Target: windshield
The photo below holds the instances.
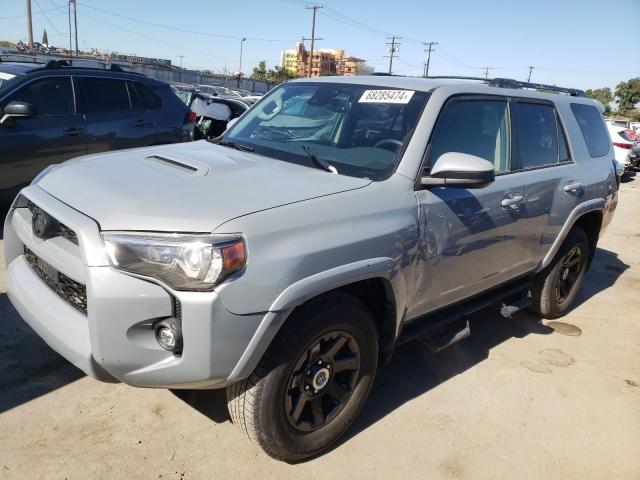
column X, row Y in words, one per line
column 360, row 130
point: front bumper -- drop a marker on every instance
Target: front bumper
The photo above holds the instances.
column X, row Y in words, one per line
column 115, row 341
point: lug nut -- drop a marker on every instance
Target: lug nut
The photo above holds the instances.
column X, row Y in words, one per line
column 319, row 362
column 306, row 387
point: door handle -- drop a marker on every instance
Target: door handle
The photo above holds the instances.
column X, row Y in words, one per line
column 512, row 200
column 72, row 132
column 141, row 123
column 572, row 187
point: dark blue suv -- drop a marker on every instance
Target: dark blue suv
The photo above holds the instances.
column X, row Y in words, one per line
column 52, row 112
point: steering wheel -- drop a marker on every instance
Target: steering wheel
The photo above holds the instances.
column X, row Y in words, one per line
column 276, row 110
column 388, row 141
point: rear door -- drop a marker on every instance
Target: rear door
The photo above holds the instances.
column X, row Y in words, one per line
column 112, row 124
column 553, row 181
column 55, row 134
column 471, row 239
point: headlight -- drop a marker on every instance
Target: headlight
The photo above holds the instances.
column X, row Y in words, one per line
column 184, row 262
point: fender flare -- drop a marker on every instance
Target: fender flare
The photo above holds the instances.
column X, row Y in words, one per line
column 298, row 293
column 596, row 204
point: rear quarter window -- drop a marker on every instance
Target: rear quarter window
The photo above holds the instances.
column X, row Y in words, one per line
column 593, row 129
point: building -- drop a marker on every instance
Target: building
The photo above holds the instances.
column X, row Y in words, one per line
column 325, row 61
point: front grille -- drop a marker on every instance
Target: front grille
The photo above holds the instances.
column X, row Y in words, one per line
column 63, row 230
column 72, row 292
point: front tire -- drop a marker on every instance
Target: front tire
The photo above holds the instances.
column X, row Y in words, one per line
column 312, row 382
column 555, row 288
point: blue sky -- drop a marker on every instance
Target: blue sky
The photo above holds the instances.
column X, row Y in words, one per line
column 583, row 44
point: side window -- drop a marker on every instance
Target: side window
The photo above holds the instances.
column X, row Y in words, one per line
column 50, row 96
column 475, row 127
column 142, row 98
column 104, row 95
column 535, row 135
column 593, row 130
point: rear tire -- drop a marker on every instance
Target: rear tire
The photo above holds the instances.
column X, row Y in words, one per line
column 312, row 382
column 554, row 288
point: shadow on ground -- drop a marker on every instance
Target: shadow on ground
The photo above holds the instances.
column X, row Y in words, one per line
column 414, row 371
column 28, row 367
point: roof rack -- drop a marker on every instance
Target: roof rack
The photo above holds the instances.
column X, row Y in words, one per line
column 511, row 83
column 63, row 63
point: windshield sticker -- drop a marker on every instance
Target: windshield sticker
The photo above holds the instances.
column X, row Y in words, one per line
column 6, row 76
column 386, row 96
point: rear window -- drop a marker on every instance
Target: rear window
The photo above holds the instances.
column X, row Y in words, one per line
column 142, row 98
column 105, row 95
column 535, row 133
column 592, row 128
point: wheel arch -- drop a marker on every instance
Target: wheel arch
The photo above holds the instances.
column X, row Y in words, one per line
column 370, row 281
column 588, row 216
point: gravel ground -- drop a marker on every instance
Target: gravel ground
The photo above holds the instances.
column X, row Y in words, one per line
column 520, row 399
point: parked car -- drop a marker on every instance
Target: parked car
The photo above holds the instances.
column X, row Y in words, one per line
column 287, row 260
column 213, row 113
column 622, row 143
column 50, row 113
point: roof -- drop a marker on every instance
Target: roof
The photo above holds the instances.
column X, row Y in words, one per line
column 497, row 86
column 19, row 68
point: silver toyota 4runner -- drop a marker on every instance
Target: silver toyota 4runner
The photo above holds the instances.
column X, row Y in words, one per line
column 337, row 219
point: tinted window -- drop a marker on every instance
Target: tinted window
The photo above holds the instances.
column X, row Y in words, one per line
column 593, row 129
column 105, row 95
column 475, row 127
column 142, row 98
column 50, row 96
column 535, row 135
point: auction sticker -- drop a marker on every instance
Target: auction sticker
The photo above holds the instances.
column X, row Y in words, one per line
column 386, row 96
column 6, row 76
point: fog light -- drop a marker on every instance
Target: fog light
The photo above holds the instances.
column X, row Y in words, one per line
column 169, row 334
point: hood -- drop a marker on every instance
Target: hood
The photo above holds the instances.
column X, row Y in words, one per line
column 188, row 187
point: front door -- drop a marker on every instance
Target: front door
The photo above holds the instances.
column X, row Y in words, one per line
column 55, row 134
column 471, row 239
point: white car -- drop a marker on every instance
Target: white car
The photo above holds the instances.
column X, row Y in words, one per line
column 622, row 143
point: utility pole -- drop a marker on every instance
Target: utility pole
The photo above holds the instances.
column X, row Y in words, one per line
column 240, row 66
column 428, row 51
column 486, row 71
column 69, row 15
column 30, row 25
column 313, row 35
column 393, row 50
column 181, row 67
column 75, row 22
column 530, row 70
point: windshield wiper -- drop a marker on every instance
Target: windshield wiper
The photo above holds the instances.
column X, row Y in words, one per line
column 237, row 146
column 323, row 164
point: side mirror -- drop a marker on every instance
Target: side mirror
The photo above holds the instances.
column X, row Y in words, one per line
column 460, row 170
column 17, row 109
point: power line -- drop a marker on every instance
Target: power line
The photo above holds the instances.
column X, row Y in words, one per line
column 393, row 50
column 46, row 17
column 183, row 30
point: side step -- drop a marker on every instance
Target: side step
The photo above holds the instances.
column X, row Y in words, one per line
column 449, row 325
column 446, row 339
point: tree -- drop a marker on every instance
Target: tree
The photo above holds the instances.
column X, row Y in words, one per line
column 45, row 38
column 275, row 75
column 604, row 95
column 260, row 72
column 206, row 72
column 628, row 95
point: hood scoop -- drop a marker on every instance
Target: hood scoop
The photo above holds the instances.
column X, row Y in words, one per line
column 176, row 165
